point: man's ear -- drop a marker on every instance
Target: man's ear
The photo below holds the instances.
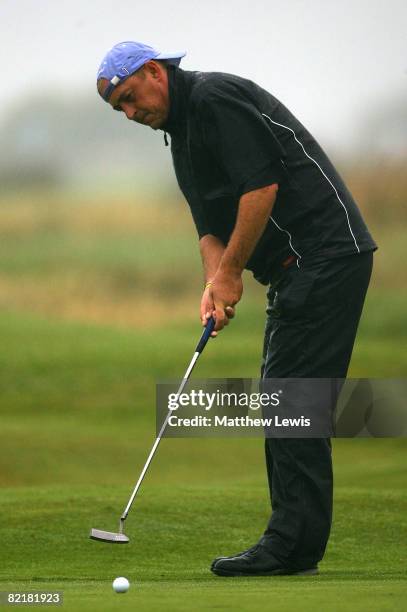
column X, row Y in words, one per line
column 101, row 85
column 154, row 69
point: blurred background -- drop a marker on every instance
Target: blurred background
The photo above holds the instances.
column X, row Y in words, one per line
column 100, row 273
column 90, row 209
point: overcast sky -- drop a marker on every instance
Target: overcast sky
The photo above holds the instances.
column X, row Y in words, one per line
column 329, row 62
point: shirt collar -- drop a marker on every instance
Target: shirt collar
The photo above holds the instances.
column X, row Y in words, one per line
column 179, row 85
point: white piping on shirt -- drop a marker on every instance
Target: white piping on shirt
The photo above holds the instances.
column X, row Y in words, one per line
column 323, row 173
column 289, row 239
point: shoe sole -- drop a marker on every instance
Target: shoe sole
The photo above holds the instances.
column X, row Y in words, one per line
column 313, row 571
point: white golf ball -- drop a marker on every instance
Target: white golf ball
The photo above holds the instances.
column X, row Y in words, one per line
column 121, row 584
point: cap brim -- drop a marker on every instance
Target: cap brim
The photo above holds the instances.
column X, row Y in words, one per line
column 174, row 58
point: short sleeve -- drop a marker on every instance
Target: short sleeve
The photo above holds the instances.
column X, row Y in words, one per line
column 241, row 140
column 197, row 210
column 198, row 215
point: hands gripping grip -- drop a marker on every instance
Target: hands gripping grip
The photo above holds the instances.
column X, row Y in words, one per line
column 206, row 335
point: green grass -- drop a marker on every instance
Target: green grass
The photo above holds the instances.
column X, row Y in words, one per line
column 175, row 532
column 77, row 413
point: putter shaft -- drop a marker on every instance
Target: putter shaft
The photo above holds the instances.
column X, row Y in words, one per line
column 200, row 346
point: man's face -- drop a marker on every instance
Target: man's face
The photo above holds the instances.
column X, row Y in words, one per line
column 143, row 96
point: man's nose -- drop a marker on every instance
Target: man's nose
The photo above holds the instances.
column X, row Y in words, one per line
column 129, row 110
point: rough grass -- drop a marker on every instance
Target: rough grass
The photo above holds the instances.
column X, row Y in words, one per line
column 136, row 263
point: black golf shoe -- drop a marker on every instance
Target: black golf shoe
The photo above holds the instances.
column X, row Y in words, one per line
column 257, row 561
column 249, row 550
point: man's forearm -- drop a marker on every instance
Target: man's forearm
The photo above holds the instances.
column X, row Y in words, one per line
column 255, row 208
column 212, row 250
column 224, row 266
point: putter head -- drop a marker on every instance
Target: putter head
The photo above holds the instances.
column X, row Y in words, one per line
column 108, row 536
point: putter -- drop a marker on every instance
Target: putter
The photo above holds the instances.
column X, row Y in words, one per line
column 120, row 537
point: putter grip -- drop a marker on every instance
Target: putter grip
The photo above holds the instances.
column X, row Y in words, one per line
column 205, row 336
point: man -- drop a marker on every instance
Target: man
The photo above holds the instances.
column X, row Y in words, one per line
column 265, row 197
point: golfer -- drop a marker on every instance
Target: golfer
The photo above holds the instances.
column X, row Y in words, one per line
column 264, row 197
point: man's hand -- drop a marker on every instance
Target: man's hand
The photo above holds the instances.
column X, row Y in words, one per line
column 207, row 304
column 227, row 290
column 219, row 299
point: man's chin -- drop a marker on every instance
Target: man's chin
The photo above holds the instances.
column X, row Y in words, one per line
column 154, row 123
column 157, row 124
column 159, row 121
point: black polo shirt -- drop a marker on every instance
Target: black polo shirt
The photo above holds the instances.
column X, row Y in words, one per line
column 228, row 137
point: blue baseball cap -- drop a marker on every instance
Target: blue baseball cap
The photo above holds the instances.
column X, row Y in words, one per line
column 125, row 58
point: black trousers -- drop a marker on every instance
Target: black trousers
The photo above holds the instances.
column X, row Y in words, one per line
column 312, row 317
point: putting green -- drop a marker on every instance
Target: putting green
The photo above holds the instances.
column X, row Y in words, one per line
column 77, row 415
column 176, row 531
